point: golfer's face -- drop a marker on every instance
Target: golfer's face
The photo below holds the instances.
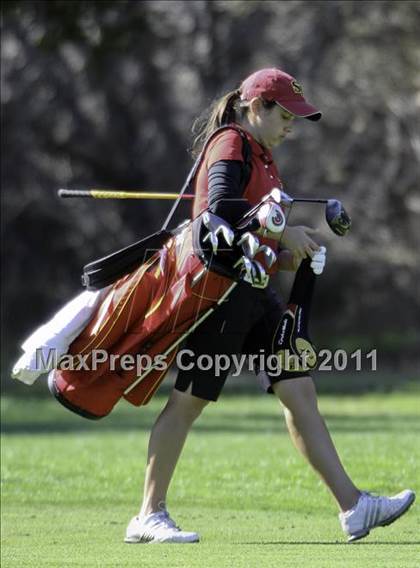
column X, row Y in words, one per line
column 277, row 125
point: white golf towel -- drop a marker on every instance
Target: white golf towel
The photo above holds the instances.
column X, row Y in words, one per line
column 56, row 336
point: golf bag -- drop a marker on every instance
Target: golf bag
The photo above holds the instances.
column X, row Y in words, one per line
column 144, row 315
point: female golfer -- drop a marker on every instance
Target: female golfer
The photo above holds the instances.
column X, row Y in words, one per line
column 263, row 109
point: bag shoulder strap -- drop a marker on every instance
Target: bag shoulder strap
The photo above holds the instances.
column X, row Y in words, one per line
column 246, row 153
column 247, row 156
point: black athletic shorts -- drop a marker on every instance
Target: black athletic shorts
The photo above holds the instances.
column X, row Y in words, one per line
column 246, row 324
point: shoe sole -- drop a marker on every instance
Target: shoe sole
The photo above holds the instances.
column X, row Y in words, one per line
column 387, row 522
column 153, row 541
column 135, row 541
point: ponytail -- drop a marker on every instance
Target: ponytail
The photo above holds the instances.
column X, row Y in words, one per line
column 222, row 111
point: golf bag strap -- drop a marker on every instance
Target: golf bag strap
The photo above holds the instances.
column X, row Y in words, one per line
column 246, row 153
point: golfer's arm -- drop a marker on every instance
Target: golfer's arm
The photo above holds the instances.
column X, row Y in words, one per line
column 225, row 192
column 285, row 261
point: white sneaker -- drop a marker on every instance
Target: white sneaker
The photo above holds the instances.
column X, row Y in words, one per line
column 372, row 511
column 157, row 527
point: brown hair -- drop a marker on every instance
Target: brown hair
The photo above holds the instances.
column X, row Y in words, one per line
column 223, row 110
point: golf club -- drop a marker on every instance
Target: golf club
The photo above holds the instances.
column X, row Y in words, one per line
column 336, row 216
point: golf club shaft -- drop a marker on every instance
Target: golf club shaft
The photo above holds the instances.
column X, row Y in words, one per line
column 121, row 194
column 118, row 194
column 308, row 200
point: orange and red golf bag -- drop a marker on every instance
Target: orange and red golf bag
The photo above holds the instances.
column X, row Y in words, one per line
column 145, row 313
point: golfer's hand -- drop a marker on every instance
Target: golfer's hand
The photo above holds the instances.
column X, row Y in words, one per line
column 298, row 240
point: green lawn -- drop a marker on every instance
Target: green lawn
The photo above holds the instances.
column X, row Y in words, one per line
column 69, row 486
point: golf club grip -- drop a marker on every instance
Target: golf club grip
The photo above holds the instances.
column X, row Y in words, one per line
column 65, row 193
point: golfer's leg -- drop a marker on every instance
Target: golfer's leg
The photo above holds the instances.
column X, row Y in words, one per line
column 310, row 435
column 166, row 442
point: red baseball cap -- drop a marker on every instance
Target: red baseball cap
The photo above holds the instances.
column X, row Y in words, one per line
column 276, row 85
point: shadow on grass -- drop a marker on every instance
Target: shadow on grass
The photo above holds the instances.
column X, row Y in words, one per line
column 229, row 422
column 332, row 543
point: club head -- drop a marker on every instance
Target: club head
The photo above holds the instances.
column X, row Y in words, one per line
column 214, row 241
column 217, row 227
column 337, row 218
column 246, row 266
column 249, row 244
column 260, row 278
column 227, row 233
column 213, row 222
column 269, row 255
column 286, row 199
column 252, row 272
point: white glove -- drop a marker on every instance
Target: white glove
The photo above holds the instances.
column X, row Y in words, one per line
column 318, row 260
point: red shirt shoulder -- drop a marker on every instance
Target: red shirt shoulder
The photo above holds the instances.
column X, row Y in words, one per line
column 227, row 145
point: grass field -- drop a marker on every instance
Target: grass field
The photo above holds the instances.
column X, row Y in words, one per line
column 69, row 486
